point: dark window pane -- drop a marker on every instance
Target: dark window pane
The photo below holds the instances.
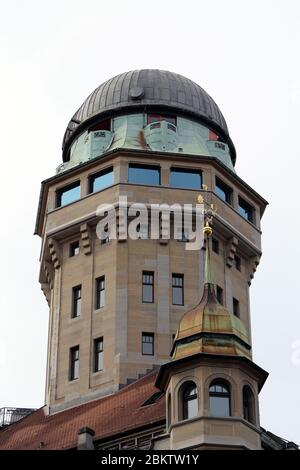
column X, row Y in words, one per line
column 148, row 287
column 100, row 292
column 68, row 194
column 237, row 262
column 98, row 354
column 74, row 363
column 190, row 179
column 74, row 249
column 246, row 210
column 101, row 180
column 223, row 191
column 148, row 344
column 177, row 289
column 220, row 294
column 215, row 245
column 236, row 307
column 142, row 174
column 76, row 301
column 189, row 401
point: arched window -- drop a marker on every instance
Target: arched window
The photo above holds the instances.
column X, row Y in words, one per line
column 219, row 398
column 248, row 405
column 188, row 401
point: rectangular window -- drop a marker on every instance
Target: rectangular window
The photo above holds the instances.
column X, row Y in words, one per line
column 246, row 210
column 100, row 292
column 186, row 178
column 76, row 311
column 101, row 180
column 144, row 174
column 148, row 344
column 98, row 354
column 237, row 262
column 68, row 194
column 177, row 289
column 236, row 307
column 74, row 363
column 215, row 245
column 74, row 249
column 148, row 287
column 219, row 292
column 223, row 191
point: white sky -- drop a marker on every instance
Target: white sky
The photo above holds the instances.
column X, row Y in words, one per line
column 246, row 55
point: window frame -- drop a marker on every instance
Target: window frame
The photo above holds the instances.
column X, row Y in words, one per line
column 96, row 352
column 73, row 361
column 227, row 190
column 74, row 246
column 149, row 335
column 98, row 292
column 215, row 244
column 178, row 276
column 144, row 166
column 247, row 205
column 147, row 273
column 238, row 263
column 215, row 394
column 220, row 294
column 250, row 414
column 76, row 300
column 236, row 307
column 69, row 187
column 94, row 176
column 177, row 169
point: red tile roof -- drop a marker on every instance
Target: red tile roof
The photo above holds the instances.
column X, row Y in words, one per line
column 107, row 416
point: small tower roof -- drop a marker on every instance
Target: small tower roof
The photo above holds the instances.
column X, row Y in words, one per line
column 210, row 327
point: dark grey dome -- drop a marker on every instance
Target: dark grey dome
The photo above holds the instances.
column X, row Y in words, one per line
column 148, row 90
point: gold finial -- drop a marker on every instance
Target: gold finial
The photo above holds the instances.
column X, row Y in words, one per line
column 200, row 199
column 207, row 230
column 205, row 187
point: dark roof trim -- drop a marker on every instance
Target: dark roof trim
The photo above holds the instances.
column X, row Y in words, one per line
column 197, row 358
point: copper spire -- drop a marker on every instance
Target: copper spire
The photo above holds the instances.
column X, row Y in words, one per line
column 210, row 327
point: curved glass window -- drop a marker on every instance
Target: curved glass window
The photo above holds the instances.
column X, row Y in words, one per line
column 248, row 405
column 219, row 399
column 189, row 400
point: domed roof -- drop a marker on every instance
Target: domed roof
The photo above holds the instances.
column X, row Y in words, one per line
column 148, row 90
column 210, row 328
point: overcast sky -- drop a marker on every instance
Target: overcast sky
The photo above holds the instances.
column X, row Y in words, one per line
column 245, row 54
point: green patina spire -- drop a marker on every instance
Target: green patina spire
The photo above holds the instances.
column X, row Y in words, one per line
column 207, row 267
column 207, row 231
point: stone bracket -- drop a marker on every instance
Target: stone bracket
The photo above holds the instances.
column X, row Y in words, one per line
column 86, row 239
column 231, row 251
column 254, row 262
column 54, row 252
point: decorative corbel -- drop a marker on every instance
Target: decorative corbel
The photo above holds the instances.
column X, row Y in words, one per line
column 47, row 292
column 254, row 262
column 86, row 239
column 231, row 251
column 54, row 252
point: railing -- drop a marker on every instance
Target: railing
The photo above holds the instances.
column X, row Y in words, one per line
column 11, row 415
